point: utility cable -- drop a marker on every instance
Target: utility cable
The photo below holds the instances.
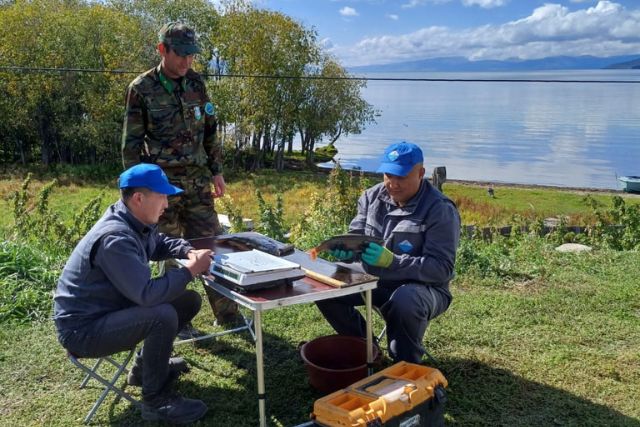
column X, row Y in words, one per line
column 45, row 70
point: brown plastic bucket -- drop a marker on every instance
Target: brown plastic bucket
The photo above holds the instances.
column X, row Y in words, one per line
column 335, row 361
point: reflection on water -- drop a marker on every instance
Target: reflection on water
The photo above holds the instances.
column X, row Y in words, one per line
column 567, row 134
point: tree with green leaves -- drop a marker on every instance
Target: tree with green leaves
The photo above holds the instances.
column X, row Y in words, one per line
column 66, row 117
column 258, row 43
column 331, row 107
column 306, row 92
column 283, row 84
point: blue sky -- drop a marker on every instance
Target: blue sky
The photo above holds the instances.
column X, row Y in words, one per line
column 361, row 32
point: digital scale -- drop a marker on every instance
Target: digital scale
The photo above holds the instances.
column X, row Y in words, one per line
column 251, row 270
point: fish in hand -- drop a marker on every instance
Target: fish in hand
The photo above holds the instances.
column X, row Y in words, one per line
column 347, row 242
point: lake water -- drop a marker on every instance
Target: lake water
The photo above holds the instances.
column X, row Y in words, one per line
column 564, row 134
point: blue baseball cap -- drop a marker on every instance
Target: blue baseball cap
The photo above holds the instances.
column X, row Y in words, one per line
column 149, row 176
column 400, row 158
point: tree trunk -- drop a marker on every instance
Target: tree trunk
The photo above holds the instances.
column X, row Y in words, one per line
column 46, row 141
column 336, row 137
column 290, row 144
column 279, row 156
column 309, row 156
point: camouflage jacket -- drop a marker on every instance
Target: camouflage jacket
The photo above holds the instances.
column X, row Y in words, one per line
column 170, row 124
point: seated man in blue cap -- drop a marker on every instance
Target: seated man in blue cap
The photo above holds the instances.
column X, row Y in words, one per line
column 421, row 229
column 106, row 300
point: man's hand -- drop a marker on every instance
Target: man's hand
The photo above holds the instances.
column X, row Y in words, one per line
column 377, row 255
column 218, row 186
column 341, row 254
column 199, row 261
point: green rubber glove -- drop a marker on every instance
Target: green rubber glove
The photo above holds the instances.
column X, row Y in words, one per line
column 377, row 255
column 341, row 254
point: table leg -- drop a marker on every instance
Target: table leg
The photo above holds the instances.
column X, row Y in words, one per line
column 367, row 297
column 257, row 324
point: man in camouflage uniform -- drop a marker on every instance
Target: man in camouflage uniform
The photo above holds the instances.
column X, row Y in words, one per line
column 170, row 121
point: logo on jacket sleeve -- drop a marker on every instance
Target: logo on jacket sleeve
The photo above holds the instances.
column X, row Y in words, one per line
column 405, row 246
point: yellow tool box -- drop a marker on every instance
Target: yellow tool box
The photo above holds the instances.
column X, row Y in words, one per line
column 402, row 395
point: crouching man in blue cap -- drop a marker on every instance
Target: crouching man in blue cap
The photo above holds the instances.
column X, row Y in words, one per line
column 421, row 229
column 106, row 300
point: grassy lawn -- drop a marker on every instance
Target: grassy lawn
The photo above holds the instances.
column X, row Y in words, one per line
column 555, row 341
column 560, row 351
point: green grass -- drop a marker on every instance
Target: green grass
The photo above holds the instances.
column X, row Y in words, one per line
column 296, row 188
column 533, row 337
column 562, row 350
column 478, row 208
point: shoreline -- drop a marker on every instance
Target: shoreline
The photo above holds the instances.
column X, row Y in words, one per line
column 500, row 184
column 585, row 190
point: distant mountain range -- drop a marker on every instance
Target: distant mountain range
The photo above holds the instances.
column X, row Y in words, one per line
column 633, row 64
column 458, row 63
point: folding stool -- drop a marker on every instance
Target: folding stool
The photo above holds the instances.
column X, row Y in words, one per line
column 109, row 385
column 382, row 333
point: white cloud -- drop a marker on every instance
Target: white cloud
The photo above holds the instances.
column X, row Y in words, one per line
column 348, row 11
column 393, row 17
column 415, row 3
column 605, row 29
column 326, row 43
column 486, row 4
column 412, row 3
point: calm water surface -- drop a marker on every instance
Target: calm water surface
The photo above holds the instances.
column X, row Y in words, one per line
column 566, row 134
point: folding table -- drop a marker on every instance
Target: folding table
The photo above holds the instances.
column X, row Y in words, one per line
column 305, row 290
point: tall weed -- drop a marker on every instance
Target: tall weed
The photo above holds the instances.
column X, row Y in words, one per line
column 617, row 227
column 271, row 222
column 35, row 250
column 27, row 278
column 506, row 259
column 234, row 213
column 37, row 224
column 331, row 211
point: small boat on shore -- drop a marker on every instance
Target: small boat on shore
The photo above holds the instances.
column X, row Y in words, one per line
column 630, row 184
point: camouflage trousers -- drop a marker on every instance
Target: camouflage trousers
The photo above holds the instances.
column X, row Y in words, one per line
column 191, row 214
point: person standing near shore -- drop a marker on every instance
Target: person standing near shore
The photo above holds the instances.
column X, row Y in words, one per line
column 170, row 121
column 421, row 230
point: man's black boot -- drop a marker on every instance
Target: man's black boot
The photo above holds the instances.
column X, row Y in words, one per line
column 173, row 408
column 177, row 366
column 168, row 406
column 188, row 332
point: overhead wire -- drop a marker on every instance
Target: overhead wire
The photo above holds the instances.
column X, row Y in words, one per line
column 46, row 70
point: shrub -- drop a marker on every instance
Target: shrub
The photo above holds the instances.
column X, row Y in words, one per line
column 508, row 259
column 32, row 256
column 36, row 224
column 271, row 222
column 617, row 227
column 27, row 278
column 331, row 211
column 234, row 214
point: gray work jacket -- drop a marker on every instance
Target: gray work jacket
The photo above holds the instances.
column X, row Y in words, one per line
column 423, row 235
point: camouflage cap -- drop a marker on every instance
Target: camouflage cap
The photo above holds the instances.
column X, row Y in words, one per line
column 180, row 38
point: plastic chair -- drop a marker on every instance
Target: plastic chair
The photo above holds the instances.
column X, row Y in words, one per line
column 109, row 384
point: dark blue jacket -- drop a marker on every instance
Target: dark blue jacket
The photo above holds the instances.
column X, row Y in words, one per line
column 109, row 270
